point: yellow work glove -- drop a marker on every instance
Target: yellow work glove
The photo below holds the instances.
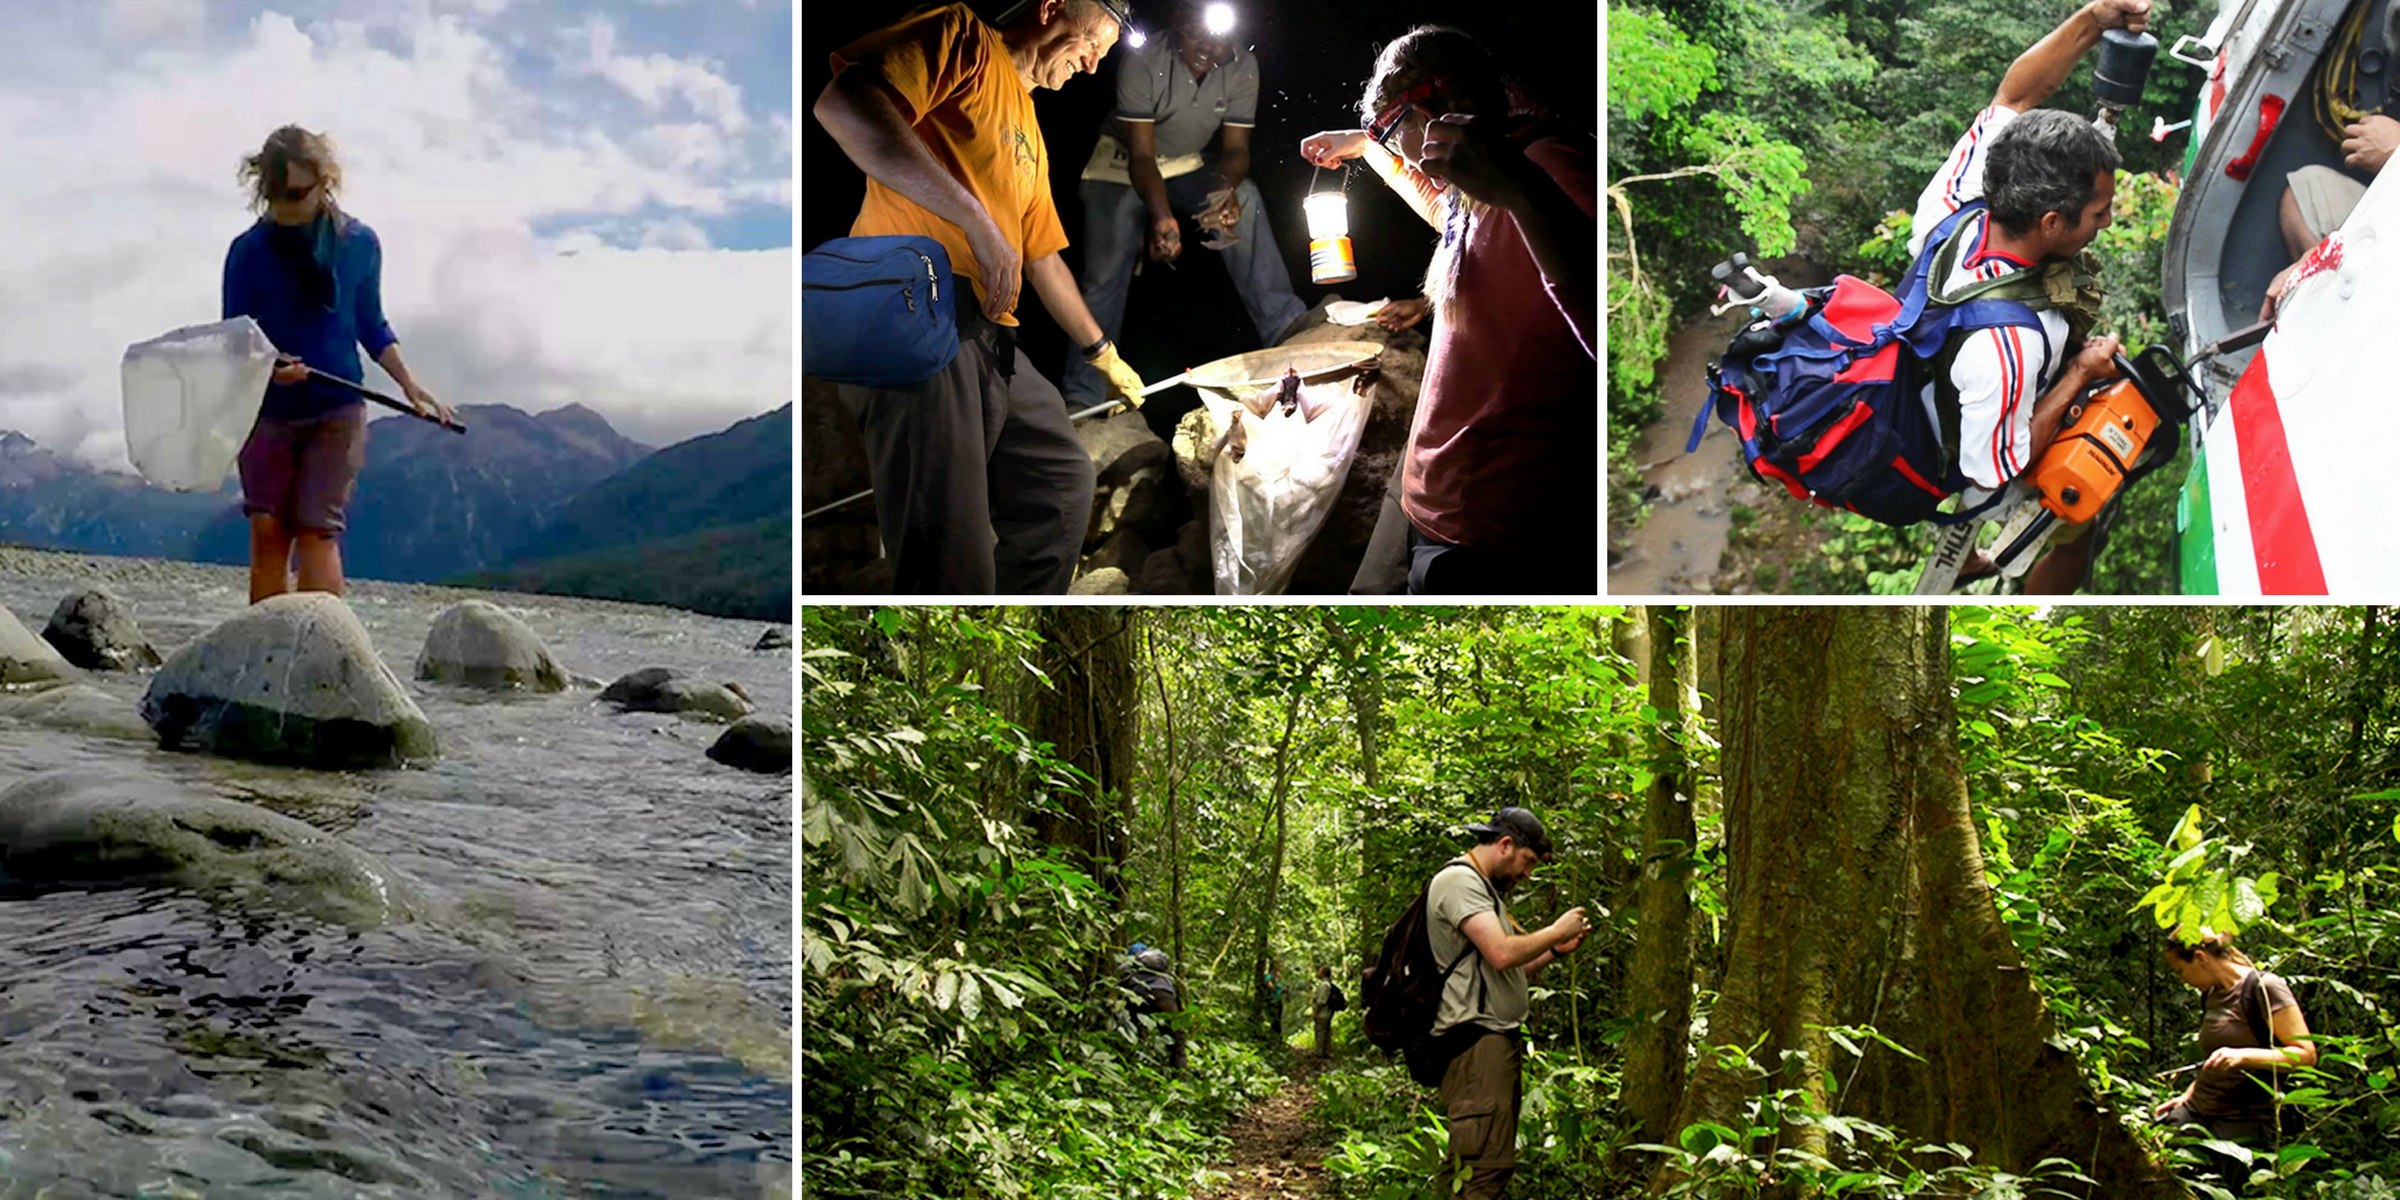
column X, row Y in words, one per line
column 1122, row 382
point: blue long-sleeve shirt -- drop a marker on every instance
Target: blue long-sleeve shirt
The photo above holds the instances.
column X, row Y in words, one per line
column 273, row 289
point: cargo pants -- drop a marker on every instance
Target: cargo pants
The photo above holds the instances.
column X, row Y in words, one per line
column 981, row 486
column 1480, row 1090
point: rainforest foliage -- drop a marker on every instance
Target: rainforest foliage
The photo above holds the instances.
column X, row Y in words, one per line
column 997, row 802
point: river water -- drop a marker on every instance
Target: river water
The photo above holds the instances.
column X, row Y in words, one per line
column 597, row 1002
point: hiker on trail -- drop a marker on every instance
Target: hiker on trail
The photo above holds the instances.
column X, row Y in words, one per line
column 2250, row 1030
column 1477, row 1028
column 1499, row 475
column 1182, row 91
column 1147, row 976
column 2318, row 199
column 2048, row 179
column 311, row 275
column 938, row 111
column 1322, row 1005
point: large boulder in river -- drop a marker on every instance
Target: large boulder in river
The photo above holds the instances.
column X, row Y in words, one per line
column 664, row 689
column 25, row 658
column 480, row 644
column 94, row 629
column 82, row 828
column 292, row 679
column 756, row 743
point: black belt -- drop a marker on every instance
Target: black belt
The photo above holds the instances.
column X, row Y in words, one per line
column 972, row 323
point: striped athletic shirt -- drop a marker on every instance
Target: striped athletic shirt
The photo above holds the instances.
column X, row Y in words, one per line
column 1999, row 372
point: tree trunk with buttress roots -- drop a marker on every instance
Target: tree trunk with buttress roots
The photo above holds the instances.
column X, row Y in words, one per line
column 1856, row 897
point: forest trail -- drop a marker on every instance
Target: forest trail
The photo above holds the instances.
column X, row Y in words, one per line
column 1278, row 1151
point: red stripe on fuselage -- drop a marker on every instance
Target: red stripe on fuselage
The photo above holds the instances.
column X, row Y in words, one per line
column 2280, row 536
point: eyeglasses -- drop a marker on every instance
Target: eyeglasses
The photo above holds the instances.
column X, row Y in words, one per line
column 294, row 195
column 1388, row 119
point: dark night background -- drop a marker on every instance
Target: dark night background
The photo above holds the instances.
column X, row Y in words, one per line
column 1313, row 61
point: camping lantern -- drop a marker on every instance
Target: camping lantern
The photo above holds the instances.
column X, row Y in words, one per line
column 1329, row 258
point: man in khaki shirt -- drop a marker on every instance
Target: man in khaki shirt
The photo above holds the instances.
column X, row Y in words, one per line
column 1482, row 1009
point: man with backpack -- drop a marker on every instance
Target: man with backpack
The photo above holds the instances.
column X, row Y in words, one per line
column 1147, row 977
column 981, row 484
column 1326, row 1001
column 1474, row 1046
column 2037, row 185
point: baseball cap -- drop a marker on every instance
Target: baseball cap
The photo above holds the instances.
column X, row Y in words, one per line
column 1518, row 823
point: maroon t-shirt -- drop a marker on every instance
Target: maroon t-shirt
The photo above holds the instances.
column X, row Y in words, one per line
column 1503, row 456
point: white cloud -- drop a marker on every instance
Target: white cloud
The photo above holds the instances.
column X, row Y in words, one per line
column 457, row 163
column 144, row 20
column 655, row 79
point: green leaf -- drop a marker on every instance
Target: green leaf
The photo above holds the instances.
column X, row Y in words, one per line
column 2232, row 1150
column 1698, row 1139
column 945, row 990
column 2187, row 830
column 2046, row 679
column 2246, row 904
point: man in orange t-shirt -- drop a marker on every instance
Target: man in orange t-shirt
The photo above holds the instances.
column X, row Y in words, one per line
column 981, row 485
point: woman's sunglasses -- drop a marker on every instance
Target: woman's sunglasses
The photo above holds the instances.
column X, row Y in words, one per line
column 294, row 195
column 1387, row 120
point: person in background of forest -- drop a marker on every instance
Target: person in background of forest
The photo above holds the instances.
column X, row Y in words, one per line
column 1320, row 1004
column 1478, row 1027
column 981, row 484
column 1147, row 976
column 2049, row 179
column 1499, row 483
column 311, row 275
column 2228, row 1095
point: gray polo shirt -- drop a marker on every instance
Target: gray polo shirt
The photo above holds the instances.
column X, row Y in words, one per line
column 1475, row 991
column 1153, row 85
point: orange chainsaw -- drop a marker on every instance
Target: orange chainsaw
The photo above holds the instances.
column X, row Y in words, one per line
column 2106, row 438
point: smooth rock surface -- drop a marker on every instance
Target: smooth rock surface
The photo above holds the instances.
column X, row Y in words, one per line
column 756, row 743
column 1107, row 581
column 83, row 827
column 480, row 644
column 1120, row 446
column 94, row 629
column 25, row 658
column 292, row 679
column 664, row 689
column 78, row 707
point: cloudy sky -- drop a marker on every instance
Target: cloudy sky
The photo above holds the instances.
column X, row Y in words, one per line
column 578, row 201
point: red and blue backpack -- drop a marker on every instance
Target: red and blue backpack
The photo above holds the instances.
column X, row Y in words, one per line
column 1828, row 403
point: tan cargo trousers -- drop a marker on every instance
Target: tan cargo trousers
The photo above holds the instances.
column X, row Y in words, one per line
column 1480, row 1092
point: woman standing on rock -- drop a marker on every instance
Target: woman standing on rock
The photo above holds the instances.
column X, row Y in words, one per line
column 312, row 277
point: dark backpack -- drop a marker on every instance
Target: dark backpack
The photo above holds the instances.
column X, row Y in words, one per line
column 1403, row 991
column 1339, row 1001
column 879, row 311
column 1827, row 403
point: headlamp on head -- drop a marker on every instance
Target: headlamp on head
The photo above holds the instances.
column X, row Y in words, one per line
column 1218, row 18
column 1388, row 118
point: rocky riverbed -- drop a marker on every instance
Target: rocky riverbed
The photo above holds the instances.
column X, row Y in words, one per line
column 587, row 988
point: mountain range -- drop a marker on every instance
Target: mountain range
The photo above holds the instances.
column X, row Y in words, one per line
column 530, row 496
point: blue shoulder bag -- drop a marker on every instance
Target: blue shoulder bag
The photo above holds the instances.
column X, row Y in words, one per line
column 877, row 311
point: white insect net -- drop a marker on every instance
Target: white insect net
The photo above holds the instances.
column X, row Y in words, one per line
column 191, row 397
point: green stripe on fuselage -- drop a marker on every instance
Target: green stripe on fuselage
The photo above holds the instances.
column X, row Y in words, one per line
column 2198, row 527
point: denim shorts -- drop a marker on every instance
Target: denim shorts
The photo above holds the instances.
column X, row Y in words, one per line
column 301, row 472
